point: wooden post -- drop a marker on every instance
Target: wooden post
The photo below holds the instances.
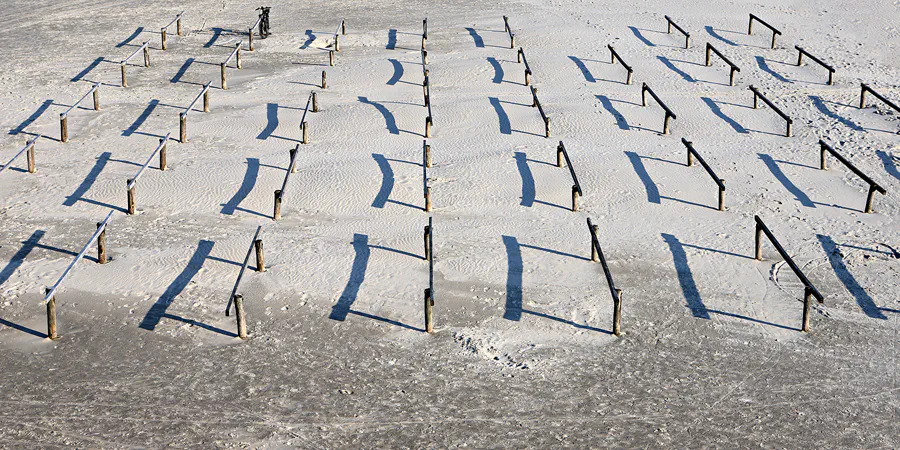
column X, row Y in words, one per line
column 63, row 128
column 238, row 56
column 260, row 256
column 546, row 127
column 512, row 41
column 428, row 155
column 51, row 318
column 131, row 197
column 870, row 198
column 337, row 43
column 559, row 155
column 178, row 26
column 324, row 84
column 224, row 84
column 862, row 98
column 807, row 304
column 343, row 27
column 182, row 129
column 305, row 128
column 276, row 215
column 428, row 127
column 331, row 58
column 534, row 100
column 617, row 313
column 241, row 317
column 527, row 77
column 595, row 256
column 519, row 56
column 429, row 306
column 425, row 56
column 315, row 102
column 722, row 196
column 163, row 34
column 758, row 253
column 251, row 40
column 30, row 156
column 755, row 101
column 97, row 99
column 162, row 154
column 427, row 243
column 574, row 198
column 206, row 101
column 789, row 131
column 428, row 199
column 666, row 124
column 293, row 152
column 124, row 77
column 146, row 56
column 101, row 245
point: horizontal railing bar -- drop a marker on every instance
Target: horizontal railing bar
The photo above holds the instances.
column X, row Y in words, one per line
column 144, row 45
column 866, row 88
column 243, row 268
column 675, row 25
column 84, row 250
column 754, row 17
column 234, row 52
column 660, row 102
column 771, row 105
column 812, row 57
column 162, row 143
column 619, row 58
column 173, row 20
column 290, row 169
column 91, row 91
column 306, row 109
column 596, row 243
column 571, row 169
column 191, row 106
column 338, row 31
column 256, row 23
column 690, row 147
column 724, row 58
column 787, row 258
column 852, row 167
column 28, row 145
column 431, row 255
column 524, row 59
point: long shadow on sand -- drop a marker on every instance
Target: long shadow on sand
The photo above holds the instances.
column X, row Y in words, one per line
column 527, row 180
column 785, row 181
column 505, row 126
column 34, row 116
column 389, row 119
column 246, row 187
column 641, row 171
column 836, row 259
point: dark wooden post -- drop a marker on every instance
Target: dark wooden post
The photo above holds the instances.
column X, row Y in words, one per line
column 162, row 154
column 64, row 128
column 276, row 215
column 182, row 128
column 146, row 56
column 807, row 305
column 206, row 101
column 51, row 318
column 595, row 257
column 97, row 98
column 559, row 155
column 224, row 82
column 324, row 84
column 101, row 245
column 241, row 317
column 331, row 58
column 131, row 188
column 260, row 258
column 124, row 76
column 163, row 34
column 758, row 252
column 574, row 198
column 427, row 243
column 429, row 307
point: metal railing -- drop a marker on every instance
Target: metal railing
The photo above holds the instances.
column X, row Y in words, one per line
column 508, row 29
column 132, row 182
column 873, row 186
column 312, row 100
column 182, row 116
column 236, row 53
column 537, row 103
column 164, row 30
column 279, row 194
column 528, row 73
column 64, row 116
column 29, row 147
column 145, row 47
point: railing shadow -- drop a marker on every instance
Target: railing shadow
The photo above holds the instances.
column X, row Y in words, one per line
column 272, row 121
column 836, row 259
column 34, row 116
column 357, row 275
column 498, row 70
column 668, row 63
column 128, row 40
column 583, row 68
column 528, row 187
column 398, row 72
column 714, row 33
column 890, row 163
column 641, row 171
column 246, row 187
column 763, row 64
column 387, row 181
column 513, row 309
column 505, row 126
column 141, row 118
column 686, row 278
column 479, row 42
column 620, row 119
column 785, row 181
column 390, row 121
column 820, row 104
column 717, row 110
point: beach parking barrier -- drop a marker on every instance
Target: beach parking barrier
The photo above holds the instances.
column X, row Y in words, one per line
column 868, row 89
column 508, row 29
column 429, row 292
column 873, row 186
column 528, row 73
column 734, row 68
column 671, row 24
column 424, row 32
column 341, row 30
column 576, row 186
column 426, row 187
column 304, row 126
column 182, row 116
column 64, row 116
column 426, row 150
column 669, row 114
column 614, row 56
column 236, row 54
column 758, row 95
column 324, row 81
column 818, row 61
column 429, row 121
column 537, row 103
column 163, row 32
column 99, row 236
column 427, row 236
column 597, row 256
column 331, row 58
column 132, row 182
column 255, row 244
column 775, row 31
column 809, row 290
column 279, row 194
column 28, row 149
column 691, row 154
column 145, row 47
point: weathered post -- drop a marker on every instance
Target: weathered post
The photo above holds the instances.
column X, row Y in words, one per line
column 237, row 56
column 305, row 127
column 331, row 58
column 428, row 199
column 807, row 305
column 224, row 82
column 51, row 317
column 251, row 39
column 428, row 127
column 206, row 101
column 101, row 245
column 124, row 76
column 429, row 307
column 427, row 155
column 97, row 98
column 162, row 33
column 595, row 257
column 131, row 186
column 559, row 155
column 240, row 316
column 315, row 102
column 146, row 55
column 64, row 128
column 276, row 215
column 182, row 128
column 324, row 84
column 617, row 313
column 427, row 243
column 260, row 258
column 574, row 198
column 30, row 156
column 162, row 154
column 178, row 25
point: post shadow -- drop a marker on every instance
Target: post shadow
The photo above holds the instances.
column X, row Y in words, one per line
column 392, row 39
column 787, row 183
column 819, row 103
column 88, row 180
column 583, row 68
column 637, row 34
column 505, row 126
column 668, row 63
column 182, row 70
column 389, row 120
column 513, row 279
column 246, row 186
column 890, row 163
column 387, row 181
column 620, row 119
column 479, row 42
column 712, row 32
column 158, row 310
column 498, row 70
column 641, row 170
column 23, row 329
column 19, row 257
column 554, row 252
column 272, row 124
column 128, row 40
column 528, row 189
column 398, row 72
column 357, row 275
column 765, row 67
column 34, row 116
column 215, row 36
column 310, row 37
column 714, row 107
column 141, row 118
column 93, row 65
column 836, row 259
column 686, row 278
